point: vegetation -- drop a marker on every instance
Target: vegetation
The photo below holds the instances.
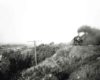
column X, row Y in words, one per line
column 45, row 51
column 55, row 62
column 13, row 62
column 81, row 63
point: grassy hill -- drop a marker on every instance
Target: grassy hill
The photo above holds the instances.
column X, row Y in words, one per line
column 68, row 63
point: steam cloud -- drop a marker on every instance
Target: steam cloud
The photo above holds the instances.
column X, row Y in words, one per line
column 92, row 35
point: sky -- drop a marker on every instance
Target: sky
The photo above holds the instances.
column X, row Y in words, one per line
column 46, row 20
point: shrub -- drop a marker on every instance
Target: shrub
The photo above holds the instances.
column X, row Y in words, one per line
column 13, row 63
column 45, row 51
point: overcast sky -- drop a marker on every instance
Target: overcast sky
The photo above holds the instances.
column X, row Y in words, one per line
column 46, row 20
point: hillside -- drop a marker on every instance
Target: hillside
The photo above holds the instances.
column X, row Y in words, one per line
column 68, row 63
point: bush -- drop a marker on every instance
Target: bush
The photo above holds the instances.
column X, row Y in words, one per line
column 13, row 63
column 45, row 51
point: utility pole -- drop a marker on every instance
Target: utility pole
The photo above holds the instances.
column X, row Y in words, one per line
column 35, row 50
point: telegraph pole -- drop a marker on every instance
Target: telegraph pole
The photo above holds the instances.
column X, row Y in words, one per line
column 35, row 50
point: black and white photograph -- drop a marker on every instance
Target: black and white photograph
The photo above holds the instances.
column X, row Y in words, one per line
column 49, row 39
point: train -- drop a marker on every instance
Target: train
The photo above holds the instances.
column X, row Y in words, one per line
column 79, row 39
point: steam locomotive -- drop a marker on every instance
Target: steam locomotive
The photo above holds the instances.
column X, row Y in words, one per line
column 78, row 40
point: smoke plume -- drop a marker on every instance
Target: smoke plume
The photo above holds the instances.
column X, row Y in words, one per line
column 92, row 35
